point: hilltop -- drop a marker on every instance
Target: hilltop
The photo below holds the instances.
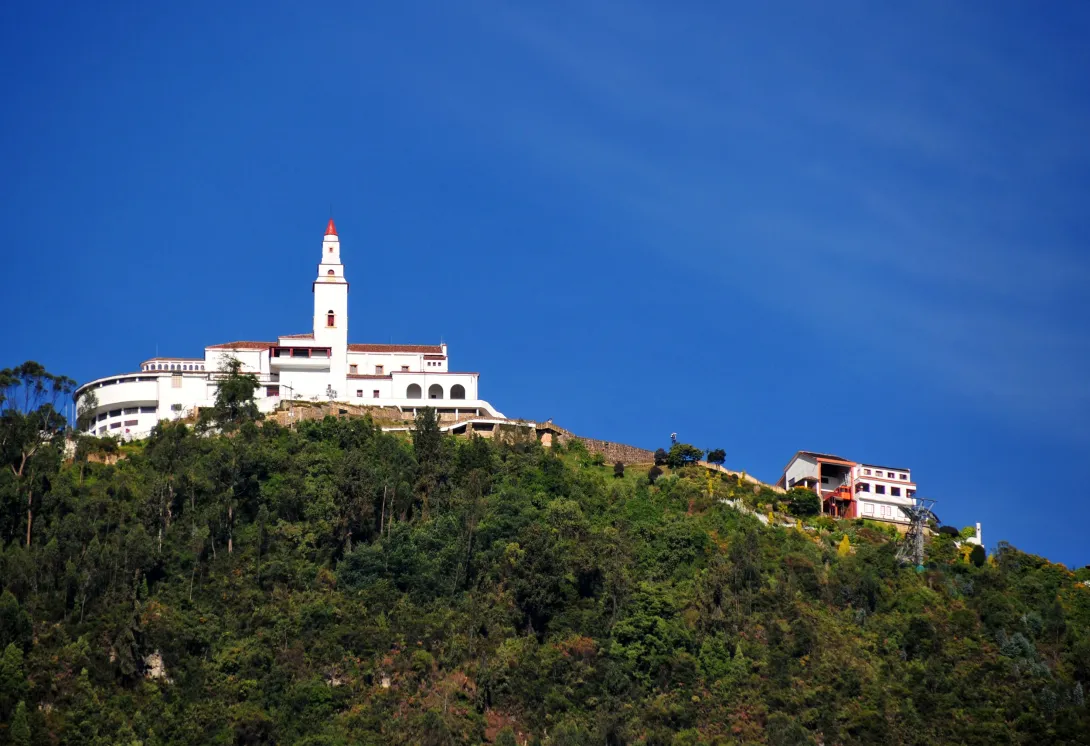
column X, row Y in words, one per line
column 335, row 584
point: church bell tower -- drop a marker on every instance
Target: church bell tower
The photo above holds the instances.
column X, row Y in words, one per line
column 331, row 310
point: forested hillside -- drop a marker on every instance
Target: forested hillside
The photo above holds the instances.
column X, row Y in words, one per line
column 239, row 582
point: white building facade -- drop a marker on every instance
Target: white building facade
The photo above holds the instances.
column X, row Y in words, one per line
column 852, row 490
column 320, row 365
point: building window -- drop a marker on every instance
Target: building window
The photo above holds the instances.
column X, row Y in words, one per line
column 867, row 472
column 300, row 352
column 115, row 413
column 353, row 369
column 868, row 509
column 895, row 491
column 457, row 391
column 375, row 394
column 862, row 487
column 880, row 489
column 413, row 391
column 147, row 410
column 272, row 391
column 330, row 249
column 359, row 393
column 904, row 477
column 330, row 273
column 891, row 475
column 176, row 381
column 790, row 483
column 330, row 318
column 378, row 370
column 910, row 493
column 825, row 480
column 404, row 368
column 435, row 391
column 115, row 425
column 885, row 511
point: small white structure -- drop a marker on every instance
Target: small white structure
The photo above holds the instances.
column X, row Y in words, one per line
column 320, row 365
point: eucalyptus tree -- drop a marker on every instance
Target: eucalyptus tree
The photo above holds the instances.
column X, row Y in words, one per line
column 32, row 429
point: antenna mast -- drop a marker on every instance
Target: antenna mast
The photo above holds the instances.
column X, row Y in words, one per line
column 911, row 549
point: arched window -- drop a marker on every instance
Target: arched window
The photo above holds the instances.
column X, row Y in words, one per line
column 435, row 391
column 202, row 367
column 330, row 318
column 413, row 391
column 457, row 391
column 330, row 273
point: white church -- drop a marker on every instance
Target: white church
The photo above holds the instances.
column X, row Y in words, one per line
column 319, row 366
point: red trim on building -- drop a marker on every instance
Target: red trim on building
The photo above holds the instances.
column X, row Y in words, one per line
column 242, row 346
column 434, row 349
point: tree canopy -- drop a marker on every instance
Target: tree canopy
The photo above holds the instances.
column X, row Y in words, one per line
column 336, row 584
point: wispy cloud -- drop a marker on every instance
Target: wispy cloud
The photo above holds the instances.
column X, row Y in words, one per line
column 895, row 187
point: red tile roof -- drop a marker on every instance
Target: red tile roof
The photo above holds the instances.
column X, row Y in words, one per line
column 435, row 357
column 434, row 349
column 242, row 346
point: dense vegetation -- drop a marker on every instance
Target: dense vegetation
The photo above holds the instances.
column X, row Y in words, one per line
column 239, row 582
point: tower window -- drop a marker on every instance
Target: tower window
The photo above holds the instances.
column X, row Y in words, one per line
column 330, row 249
column 330, row 273
column 329, row 319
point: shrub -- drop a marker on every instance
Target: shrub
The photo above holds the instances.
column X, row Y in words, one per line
column 618, row 469
column 660, row 457
column 718, row 456
column 654, row 474
column 598, row 459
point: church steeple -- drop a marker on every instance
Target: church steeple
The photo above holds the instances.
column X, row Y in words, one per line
column 331, row 230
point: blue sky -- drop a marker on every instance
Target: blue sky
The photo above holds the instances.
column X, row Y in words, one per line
column 843, row 228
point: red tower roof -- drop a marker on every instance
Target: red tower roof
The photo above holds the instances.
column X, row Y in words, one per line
column 331, row 230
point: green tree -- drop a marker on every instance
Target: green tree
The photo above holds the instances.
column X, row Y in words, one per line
column 430, row 455
column 682, row 454
column 978, row 556
column 85, row 409
column 803, row 502
column 618, row 469
column 660, row 457
column 505, row 737
column 19, row 733
column 13, row 682
column 15, row 626
column 235, row 403
column 31, row 428
column 717, row 456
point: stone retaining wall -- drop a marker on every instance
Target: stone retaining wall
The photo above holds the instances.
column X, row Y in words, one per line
column 614, row 452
